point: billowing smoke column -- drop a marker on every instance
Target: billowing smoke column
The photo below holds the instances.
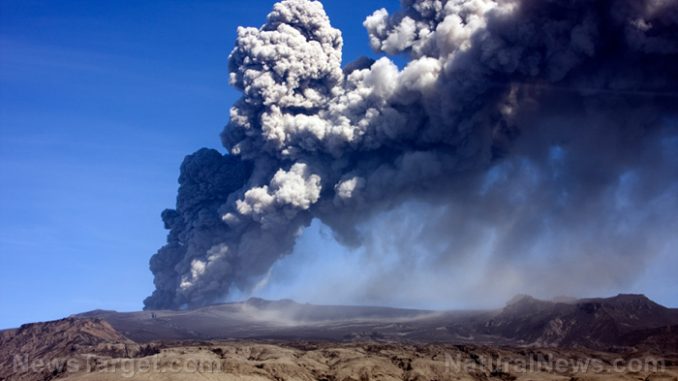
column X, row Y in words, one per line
column 532, row 120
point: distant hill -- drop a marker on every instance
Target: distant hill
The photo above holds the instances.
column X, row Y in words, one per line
column 594, row 323
column 601, row 323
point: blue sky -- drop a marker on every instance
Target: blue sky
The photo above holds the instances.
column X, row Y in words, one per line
column 99, row 103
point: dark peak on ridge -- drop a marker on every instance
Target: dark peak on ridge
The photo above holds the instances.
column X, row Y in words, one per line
column 632, row 301
column 521, row 298
column 93, row 313
column 624, row 299
column 260, row 302
column 626, row 306
column 524, row 303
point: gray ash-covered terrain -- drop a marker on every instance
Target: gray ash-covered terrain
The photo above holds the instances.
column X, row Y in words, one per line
column 284, row 340
column 602, row 323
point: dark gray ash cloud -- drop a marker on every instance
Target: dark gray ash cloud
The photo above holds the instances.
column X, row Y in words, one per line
column 536, row 129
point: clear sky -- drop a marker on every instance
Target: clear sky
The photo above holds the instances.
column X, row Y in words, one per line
column 99, row 103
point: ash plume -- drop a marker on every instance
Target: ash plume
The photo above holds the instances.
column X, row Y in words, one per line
column 528, row 126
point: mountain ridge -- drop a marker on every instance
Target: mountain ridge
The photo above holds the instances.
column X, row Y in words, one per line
column 624, row 320
column 620, row 324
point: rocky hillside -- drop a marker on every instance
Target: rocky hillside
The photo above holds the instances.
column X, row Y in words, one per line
column 25, row 351
column 603, row 323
